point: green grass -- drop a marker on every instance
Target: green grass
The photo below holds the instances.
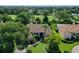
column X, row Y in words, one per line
column 13, row 16
column 40, row 16
column 40, row 48
column 50, row 17
column 67, row 47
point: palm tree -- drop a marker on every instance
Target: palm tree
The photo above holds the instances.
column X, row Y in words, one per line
column 45, row 26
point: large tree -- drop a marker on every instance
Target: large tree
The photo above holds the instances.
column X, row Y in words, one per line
column 23, row 18
column 64, row 16
column 38, row 20
column 54, row 41
column 45, row 19
column 11, row 34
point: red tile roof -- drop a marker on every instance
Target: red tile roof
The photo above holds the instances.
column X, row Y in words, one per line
column 39, row 28
column 67, row 29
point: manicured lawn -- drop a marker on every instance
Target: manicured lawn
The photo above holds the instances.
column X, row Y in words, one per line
column 12, row 16
column 67, row 47
column 51, row 17
column 40, row 16
column 40, row 48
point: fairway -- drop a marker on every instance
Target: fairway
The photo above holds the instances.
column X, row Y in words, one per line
column 12, row 17
column 50, row 17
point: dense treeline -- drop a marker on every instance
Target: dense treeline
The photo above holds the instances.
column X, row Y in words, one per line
column 35, row 10
column 25, row 14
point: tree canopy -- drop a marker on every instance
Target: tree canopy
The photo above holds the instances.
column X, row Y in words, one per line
column 12, row 33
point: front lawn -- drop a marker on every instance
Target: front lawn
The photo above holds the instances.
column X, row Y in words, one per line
column 40, row 48
column 64, row 47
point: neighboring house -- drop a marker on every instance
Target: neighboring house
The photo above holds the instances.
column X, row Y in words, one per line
column 68, row 30
column 43, row 29
column 74, row 14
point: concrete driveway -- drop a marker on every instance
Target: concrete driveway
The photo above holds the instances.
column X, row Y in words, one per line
column 75, row 49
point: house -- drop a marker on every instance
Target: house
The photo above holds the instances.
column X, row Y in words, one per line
column 43, row 29
column 68, row 30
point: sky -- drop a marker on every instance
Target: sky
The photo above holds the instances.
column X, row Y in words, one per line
column 39, row 2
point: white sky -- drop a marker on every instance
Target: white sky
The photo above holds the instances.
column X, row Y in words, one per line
column 39, row 2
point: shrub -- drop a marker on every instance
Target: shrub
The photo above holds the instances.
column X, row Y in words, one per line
column 46, row 40
column 20, row 47
column 28, row 51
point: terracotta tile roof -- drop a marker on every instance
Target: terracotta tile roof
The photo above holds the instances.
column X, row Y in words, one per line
column 39, row 28
column 67, row 29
